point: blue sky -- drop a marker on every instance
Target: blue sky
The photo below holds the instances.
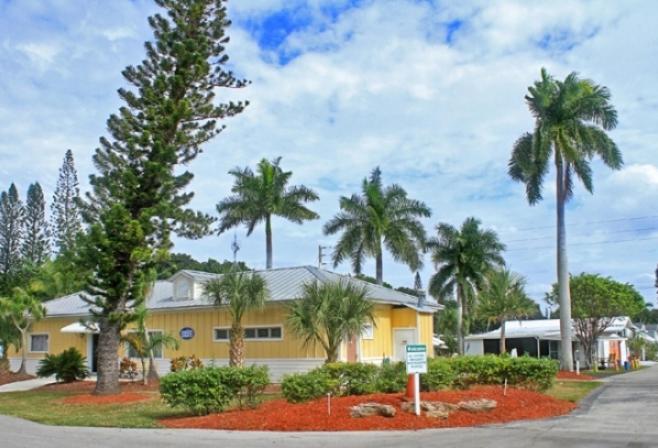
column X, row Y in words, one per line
column 430, row 91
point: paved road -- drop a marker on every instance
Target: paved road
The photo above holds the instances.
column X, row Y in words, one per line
column 624, row 413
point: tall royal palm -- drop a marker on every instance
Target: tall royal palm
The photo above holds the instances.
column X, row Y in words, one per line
column 571, row 118
column 379, row 217
column 463, row 258
column 261, row 195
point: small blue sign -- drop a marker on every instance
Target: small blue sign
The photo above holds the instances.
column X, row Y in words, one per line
column 186, row 333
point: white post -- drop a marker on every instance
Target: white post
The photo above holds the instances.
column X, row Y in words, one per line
column 417, row 393
column 577, row 367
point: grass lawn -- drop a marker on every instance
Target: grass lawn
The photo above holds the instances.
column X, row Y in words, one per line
column 45, row 406
column 573, row 391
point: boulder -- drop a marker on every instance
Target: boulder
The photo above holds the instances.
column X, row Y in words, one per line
column 482, row 405
column 370, row 409
column 433, row 409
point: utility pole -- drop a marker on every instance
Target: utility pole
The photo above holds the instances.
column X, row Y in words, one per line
column 321, row 255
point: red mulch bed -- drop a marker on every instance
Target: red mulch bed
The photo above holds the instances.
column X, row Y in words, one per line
column 123, row 397
column 278, row 415
column 10, row 377
column 566, row 375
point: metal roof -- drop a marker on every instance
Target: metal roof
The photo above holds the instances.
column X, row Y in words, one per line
column 283, row 284
column 548, row 329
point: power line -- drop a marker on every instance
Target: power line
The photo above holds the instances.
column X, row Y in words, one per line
column 592, row 243
column 584, row 223
column 642, row 229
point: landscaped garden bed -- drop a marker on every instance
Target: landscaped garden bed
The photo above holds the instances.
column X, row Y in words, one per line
column 279, row 415
column 10, row 377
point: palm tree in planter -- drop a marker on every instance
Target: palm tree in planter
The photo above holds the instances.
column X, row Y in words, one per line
column 260, row 196
column 240, row 292
column 330, row 313
column 463, row 257
column 571, row 118
column 504, row 299
column 22, row 309
column 379, row 217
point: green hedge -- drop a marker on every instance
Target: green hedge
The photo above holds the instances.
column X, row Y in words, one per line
column 213, row 389
column 442, row 373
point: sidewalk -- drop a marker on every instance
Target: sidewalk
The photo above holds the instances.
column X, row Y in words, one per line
column 21, row 386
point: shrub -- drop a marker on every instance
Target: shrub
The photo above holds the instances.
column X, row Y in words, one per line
column 67, row 367
column 469, row 370
column 128, row 367
column 440, row 375
column 212, row 389
column 531, row 373
column 352, row 378
column 392, row 377
column 300, row 387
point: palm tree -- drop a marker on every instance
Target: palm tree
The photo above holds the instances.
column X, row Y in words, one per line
column 504, row 299
column 330, row 313
column 21, row 310
column 571, row 118
column 261, row 195
column 463, row 257
column 144, row 343
column 241, row 292
column 380, row 216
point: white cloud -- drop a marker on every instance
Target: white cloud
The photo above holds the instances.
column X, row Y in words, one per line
column 376, row 88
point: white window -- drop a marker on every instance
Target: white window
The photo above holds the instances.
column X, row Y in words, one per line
column 39, row 343
column 157, row 350
column 251, row 334
column 182, row 289
column 368, row 332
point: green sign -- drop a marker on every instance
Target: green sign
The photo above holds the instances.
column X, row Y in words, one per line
column 416, row 358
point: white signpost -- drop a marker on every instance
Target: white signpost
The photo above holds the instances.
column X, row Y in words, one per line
column 416, row 364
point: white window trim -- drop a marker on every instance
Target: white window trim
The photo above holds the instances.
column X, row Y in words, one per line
column 256, row 339
column 47, row 343
column 364, row 337
column 154, row 330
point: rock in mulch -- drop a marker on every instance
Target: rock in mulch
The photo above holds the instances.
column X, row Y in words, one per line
column 433, row 409
column 482, row 405
column 370, row 409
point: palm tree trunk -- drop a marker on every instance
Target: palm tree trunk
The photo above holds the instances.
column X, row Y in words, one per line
column 108, row 367
column 23, row 368
column 153, row 376
column 380, row 266
column 460, row 321
column 503, row 348
column 236, row 352
column 566, row 355
column 268, row 241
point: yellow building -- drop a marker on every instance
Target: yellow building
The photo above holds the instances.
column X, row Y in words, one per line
column 178, row 306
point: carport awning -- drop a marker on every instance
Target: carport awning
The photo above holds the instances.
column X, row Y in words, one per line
column 80, row 328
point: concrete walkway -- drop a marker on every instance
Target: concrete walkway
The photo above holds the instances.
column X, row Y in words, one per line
column 21, row 386
column 623, row 413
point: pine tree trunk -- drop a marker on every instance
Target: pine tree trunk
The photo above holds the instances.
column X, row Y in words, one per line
column 503, row 348
column 380, row 266
column 566, row 355
column 108, row 367
column 268, row 241
column 23, row 369
column 236, row 352
column 460, row 321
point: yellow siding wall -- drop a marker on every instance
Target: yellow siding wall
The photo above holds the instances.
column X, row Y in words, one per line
column 403, row 318
column 203, row 321
column 380, row 346
column 57, row 341
column 426, row 331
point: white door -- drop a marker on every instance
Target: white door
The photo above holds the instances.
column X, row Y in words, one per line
column 402, row 337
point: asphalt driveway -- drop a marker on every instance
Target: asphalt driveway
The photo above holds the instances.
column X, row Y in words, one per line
column 624, row 413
